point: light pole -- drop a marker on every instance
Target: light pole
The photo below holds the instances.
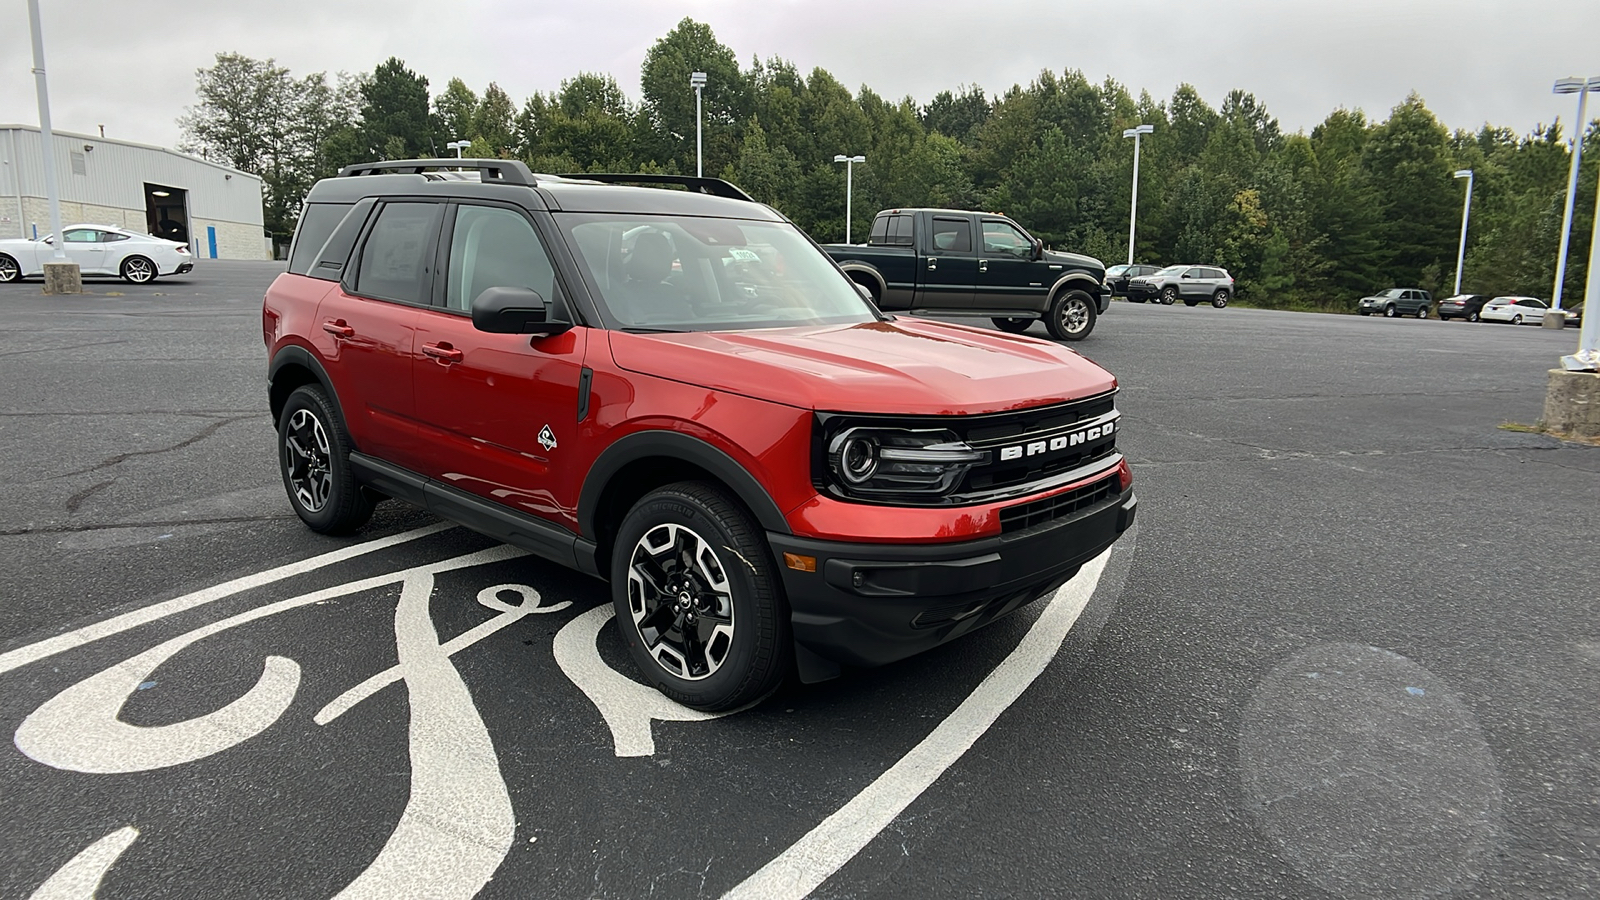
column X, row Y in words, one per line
column 697, row 80
column 68, row 279
column 1133, row 209
column 457, row 146
column 849, row 173
column 1466, row 210
column 1581, row 88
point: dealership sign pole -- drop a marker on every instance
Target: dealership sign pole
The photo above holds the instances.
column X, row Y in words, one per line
column 68, row 280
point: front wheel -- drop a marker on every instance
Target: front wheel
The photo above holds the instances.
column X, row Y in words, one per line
column 1219, row 299
column 9, row 270
column 314, row 456
column 138, row 270
column 1389, row 311
column 1169, row 296
column 698, row 600
column 1072, row 316
column 1013, row 324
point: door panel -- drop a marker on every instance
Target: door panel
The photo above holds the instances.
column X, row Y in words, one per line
column 948, row 271
column 366, row 346
column 83, row 247
column 1007, row 276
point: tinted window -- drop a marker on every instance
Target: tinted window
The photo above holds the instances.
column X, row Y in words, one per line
column 952, row 235
column 493, row 247
column 316, row 223
column 902, row 230
column 880, row 231
column 112, row 237
column 394, row 261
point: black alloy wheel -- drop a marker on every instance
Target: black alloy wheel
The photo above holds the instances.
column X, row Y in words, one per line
column 1072, row 316
column 1012, row 324
column 1169, row 295
column 9, row 270
column 314, row 457
column 138, row 270
column 698, row 600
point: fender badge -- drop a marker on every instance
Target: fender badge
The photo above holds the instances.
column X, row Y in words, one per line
column 547, row 438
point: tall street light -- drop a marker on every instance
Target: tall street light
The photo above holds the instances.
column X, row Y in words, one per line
column 72, row 282
column 1466, row 210
column 697, row 80
column 849, row 172
column 1133, row 210
column 1581, row 88
column 458, row 146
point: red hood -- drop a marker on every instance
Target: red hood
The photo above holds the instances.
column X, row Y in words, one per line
column 909, row 366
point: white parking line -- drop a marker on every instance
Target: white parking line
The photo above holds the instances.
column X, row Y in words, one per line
column 22, row 656
column 809, row 862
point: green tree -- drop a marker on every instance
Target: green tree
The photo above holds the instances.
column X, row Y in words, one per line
column 669, row 113
column 396, row 118
column 457, row 109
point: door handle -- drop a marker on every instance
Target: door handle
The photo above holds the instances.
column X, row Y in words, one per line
column 338, row 328
column 983, row 265
column 442, row 351
column 933, row 262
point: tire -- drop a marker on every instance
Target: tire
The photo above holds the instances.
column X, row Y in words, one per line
column 1219, row 299
column 1473, row 317
column 314, row 458
column 1516, row 320
column 138, row 270
column 731, row 584
column 1013, row 324
column 1390, row 312
column 1072, row 316
column 1169, row 296
column 9, row 270
column 1422, row 311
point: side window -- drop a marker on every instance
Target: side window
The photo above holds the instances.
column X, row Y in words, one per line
column 902, row 230
column 1000, row 237
column 880, row 230
column 316, row 223
column 394, row 261
column 82, row 236
column 494, row 247
column 111, row 237
column 952, row 235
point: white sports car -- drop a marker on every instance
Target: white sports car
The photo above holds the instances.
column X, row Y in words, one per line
column 98, row 250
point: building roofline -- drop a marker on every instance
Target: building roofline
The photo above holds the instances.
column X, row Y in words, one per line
column 13, row 126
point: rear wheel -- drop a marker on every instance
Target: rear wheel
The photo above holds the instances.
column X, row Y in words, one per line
column 9, row 270
column 1516, row 320
column 698, row 600
column 1072, row 316
column 1472, row 317
column 1219, row 299
column 1169, row 296
column 138, row 270
column 1422, row 311
column 314, row 456
column 1013, row 324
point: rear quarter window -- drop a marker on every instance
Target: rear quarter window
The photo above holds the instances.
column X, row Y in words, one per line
column 316, row 223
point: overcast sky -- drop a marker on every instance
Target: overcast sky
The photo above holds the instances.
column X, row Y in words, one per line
column 130, row 65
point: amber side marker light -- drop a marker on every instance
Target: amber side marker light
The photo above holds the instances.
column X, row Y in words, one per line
column 800, row 563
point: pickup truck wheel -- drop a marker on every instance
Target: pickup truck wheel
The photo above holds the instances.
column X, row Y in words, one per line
column 1219, row 299
column 314, row 456
column 9, row 270
column 1169, row 295
column 1072, row 316
column 1012, row 325
column 698, row 600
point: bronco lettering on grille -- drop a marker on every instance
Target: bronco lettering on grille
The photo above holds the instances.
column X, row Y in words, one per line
column 1060, row 442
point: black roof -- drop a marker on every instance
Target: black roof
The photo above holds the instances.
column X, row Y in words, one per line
column 502, row 179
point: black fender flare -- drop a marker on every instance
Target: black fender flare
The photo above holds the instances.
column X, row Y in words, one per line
column 300, row 356
column 690, row 449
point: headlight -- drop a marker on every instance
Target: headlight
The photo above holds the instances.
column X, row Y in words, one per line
column 875, row 462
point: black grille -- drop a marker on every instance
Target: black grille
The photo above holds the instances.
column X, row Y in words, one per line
column 1027, row 515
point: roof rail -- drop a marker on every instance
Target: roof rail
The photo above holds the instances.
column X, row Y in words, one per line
column 714, row 186
column 504, row 171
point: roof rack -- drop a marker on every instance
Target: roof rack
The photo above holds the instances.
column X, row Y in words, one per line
column 504, row 171
column 714, row 186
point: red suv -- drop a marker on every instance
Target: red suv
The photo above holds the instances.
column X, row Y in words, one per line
column 679, row 392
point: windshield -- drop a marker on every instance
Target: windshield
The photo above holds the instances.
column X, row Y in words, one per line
column 1173, row 270
column 683, row 273
column 1116, row 270
column 1392, row 292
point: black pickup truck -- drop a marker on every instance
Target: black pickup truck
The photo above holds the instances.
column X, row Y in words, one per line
column 953, row 263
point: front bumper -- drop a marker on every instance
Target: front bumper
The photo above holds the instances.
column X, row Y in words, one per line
column 871, row 604
column 1141, row 289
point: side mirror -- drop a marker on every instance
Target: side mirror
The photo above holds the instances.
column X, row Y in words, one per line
column 513, row 310
column 1038, row 250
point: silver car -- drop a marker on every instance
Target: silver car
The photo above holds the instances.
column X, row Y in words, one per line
column 1191, row 284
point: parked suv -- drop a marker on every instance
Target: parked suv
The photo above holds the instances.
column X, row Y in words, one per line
column 678, row 392
column 1191, row 284
column 1118, row 276
column 1397, row 302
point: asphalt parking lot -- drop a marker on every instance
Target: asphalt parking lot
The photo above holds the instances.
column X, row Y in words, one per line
column 1350, row 651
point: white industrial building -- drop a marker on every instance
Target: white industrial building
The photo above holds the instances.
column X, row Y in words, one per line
column 217, row 210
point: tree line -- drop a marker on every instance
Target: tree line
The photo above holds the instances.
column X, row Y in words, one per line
column 1301, row 220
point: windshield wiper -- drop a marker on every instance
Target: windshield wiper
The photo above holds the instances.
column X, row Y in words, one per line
column 635, row 330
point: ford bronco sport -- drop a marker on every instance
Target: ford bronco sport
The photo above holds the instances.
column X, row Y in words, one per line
column 678, row 392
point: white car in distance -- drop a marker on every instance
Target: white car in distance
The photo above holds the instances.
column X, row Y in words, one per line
column 1515, row 310
column 98, row 250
